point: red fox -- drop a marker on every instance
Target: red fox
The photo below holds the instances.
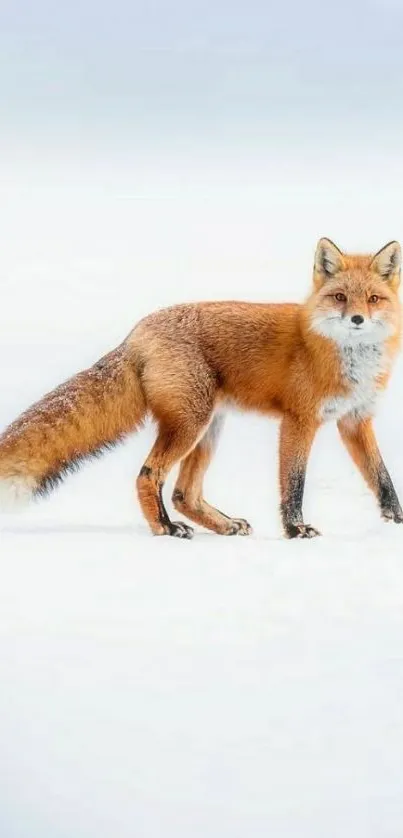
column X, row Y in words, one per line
column 327, row 359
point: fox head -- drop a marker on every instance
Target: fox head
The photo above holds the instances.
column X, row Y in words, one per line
column 355, row 298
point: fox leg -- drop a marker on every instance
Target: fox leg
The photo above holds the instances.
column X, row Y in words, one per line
column 171, row 445
column 359, row 439
column 296, row 439
column 188, row 493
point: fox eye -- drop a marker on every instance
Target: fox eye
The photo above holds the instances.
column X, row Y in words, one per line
column 341, row 298
column 373, row 298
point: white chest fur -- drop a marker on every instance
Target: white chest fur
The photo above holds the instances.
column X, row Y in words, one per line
column 361, row 365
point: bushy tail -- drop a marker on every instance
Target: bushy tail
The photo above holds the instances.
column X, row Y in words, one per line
column 90, row 412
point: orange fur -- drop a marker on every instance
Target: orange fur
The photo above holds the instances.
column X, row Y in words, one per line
column 183, row 364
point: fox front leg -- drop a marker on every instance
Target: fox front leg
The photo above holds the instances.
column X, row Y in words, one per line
column 296, row 439
column 360, row 441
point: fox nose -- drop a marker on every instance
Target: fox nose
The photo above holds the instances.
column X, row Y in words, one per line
column 357, row 319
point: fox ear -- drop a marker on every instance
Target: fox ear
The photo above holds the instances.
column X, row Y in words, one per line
column 328, row 261
column 387, row 263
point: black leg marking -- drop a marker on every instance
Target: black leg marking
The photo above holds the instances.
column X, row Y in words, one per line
column 291, row 509
column 387, row 497
column 178, row 496
column 145, row 471
column 175, row 528
column 164, row 519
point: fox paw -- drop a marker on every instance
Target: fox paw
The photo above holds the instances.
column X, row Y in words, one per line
column 301, row 531
column 177, row 529
column 238, row 526
column 392, row 515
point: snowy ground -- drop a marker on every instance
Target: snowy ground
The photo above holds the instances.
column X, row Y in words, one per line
column 220, row 687
column 223, row 687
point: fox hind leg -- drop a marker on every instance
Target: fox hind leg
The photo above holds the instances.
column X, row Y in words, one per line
column 171, row 445
column 188, row 493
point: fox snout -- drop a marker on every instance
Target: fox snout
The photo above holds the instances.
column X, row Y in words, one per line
column 358, row 320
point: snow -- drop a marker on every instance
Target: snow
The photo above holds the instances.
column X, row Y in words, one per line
column 225, row 686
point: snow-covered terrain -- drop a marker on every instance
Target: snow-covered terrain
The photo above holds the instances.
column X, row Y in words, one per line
column 220, row 687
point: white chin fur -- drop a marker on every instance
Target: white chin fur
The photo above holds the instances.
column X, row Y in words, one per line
column 15, row 493
column 339, row 330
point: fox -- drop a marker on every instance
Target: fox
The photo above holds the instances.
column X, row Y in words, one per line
column 326, row 359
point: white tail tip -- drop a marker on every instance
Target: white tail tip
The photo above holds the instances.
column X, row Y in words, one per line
column 15, row 493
